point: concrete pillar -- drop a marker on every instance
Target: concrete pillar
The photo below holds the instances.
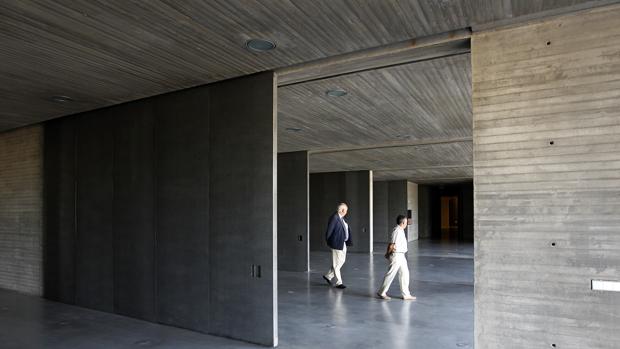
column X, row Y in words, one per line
column 412, row 209
column 329, row 189
column 403, row 196
column 381, row 227
column 243, row 213
column 546, row 137
column 293, row 211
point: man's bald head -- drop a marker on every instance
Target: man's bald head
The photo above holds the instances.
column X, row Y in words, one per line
column 342, row 209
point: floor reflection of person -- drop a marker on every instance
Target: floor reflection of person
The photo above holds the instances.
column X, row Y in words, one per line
column 396, row 250
column 338, row 237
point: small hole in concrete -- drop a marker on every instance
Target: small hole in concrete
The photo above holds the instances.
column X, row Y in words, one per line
column 553, row 345
column 553, row 244
column 551, row 143
column 548, row 43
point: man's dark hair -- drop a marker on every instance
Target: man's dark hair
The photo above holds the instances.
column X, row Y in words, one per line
column 400, row 219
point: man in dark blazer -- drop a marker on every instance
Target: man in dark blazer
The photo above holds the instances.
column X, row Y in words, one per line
column 338, row 237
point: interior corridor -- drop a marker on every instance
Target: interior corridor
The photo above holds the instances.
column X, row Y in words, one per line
column 311, row 314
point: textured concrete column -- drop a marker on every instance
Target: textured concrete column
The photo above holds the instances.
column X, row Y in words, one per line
column 329, row 189
column 21, row 210
column 547, row 182
column 293, row 211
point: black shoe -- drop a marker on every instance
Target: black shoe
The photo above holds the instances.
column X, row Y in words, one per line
column 329, row 282
column 341, row 286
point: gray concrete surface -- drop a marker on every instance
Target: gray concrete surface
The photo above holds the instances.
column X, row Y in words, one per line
column 21, row 206
column 242, row 209
column 547, row 182
column 380, row 211
column 312, row 315
column 159, row 208
column 327, row 190
column 392, row 198
column 293, row 211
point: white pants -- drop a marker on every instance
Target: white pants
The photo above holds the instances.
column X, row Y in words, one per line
column 338, row 258
column 398, row 264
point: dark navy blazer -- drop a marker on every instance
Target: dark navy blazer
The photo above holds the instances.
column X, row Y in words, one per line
column 336, row 234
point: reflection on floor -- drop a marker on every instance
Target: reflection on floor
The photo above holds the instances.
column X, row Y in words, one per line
column 311, row 314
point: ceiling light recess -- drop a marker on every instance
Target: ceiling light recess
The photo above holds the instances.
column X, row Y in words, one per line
column 260, row 45
column 336, row 92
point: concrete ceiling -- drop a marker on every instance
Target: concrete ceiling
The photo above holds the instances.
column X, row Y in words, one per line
column 385, row 121
column 101, row 53
column 409, row 121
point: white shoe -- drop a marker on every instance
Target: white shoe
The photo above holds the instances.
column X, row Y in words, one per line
column 409, row 298
column 384, row 296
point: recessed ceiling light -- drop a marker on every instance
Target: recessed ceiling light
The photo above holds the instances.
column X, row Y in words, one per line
column 293, row 129
column 260, row 45
column 336, row 93
column 61, row 99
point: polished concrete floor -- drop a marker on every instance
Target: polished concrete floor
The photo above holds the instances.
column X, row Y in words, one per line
column 311, row 315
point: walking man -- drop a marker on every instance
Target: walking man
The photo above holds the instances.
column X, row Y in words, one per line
column 338, row 237
column 398, row 263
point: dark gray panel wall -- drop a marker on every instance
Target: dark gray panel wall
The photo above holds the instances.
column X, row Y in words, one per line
column 293, row 211
column 243, row 209
column 397, row 202
column 425, row 209
column 466, row 206
column 141, row 242
column 327, row 190
column 134, row 225
column 358, row 193
column 60, row 228
column 94, row 263
column 21, row 208
column 182, row 208
column 380, row 211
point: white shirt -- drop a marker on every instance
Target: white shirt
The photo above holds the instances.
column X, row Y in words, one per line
column 399, row 239
column 346, row 228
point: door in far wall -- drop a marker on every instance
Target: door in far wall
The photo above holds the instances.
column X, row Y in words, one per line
column 449, row 217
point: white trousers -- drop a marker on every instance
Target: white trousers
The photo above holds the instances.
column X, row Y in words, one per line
column 338, row 258
column 398, row 264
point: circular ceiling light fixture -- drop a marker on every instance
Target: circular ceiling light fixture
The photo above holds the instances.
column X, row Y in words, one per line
column 293, row 129
column 336, row 93
column 61, row 99
column 260, row 45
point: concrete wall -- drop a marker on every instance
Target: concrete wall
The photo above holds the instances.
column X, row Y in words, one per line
column 547, row 182
column 293, row 211
column 163, row 210
column 243, row 212
column 400, row 196
column 425, row 208
column 381, row 227
column 412, row 205
column 21, row 205
column 327, row 190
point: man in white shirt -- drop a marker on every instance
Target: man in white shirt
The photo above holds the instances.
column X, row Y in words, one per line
column 397, row 248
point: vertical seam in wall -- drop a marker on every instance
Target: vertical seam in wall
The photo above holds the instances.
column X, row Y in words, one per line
column 114, row 230
column 75, row 208
column 208, row 215
column 155, row 270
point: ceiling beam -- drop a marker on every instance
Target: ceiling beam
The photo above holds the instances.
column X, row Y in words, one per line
column 392, row 145
column 430, row 180
column 541, row 15
column 422, row 168
column 408, row 51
